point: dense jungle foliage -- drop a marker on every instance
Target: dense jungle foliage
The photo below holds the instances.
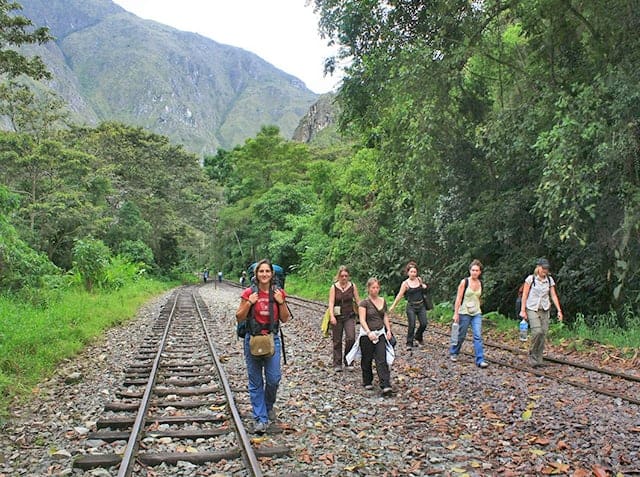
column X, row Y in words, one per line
column 502, row 131
column 496, row 130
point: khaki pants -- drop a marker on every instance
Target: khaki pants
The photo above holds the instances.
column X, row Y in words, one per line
column 539, row 325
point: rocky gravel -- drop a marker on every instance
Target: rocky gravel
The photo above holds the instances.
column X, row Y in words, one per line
column 444, row 418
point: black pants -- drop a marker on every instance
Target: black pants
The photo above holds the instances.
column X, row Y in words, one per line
column 378, row 352
column 421, row 312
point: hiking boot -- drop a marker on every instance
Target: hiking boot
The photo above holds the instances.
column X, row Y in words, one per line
column 453, row 357
column 337, row 369
column 386, row 391
column 260, row 427
column 350, row 367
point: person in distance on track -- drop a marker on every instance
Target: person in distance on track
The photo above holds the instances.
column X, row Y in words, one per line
column 264, row 372
column 342, row 314
column 537, row 294
column 413, row 288
column 466, row 311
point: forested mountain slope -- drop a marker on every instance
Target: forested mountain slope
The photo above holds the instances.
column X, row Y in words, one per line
column 111, row 65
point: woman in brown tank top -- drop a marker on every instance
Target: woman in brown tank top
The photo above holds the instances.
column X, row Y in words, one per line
column 342, row 296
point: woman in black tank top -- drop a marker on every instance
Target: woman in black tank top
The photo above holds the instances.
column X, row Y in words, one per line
column 413, row 288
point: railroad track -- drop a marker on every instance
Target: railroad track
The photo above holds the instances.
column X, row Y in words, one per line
column 602, row 381
column 175, row 404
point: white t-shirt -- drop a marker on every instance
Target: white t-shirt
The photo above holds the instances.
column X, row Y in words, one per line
column 539, row 297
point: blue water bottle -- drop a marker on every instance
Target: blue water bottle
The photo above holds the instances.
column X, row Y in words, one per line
column 524, row 330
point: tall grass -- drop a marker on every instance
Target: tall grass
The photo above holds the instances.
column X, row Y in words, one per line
column 35, row 338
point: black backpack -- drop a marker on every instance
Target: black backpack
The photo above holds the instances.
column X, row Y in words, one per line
column 250, row 325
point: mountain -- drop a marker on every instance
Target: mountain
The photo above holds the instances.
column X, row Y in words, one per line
column 320, row 125
column 111, row 65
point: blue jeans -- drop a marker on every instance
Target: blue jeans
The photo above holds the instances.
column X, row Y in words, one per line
column 476, row 327
column 264, row 378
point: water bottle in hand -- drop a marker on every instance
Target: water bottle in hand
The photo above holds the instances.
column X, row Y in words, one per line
column 455, row 327
column 524, row 330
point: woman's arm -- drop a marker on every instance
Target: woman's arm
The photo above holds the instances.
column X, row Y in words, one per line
column 523, row 305
column 332, row 303
column 356, row 295
column 458, row 302
column 387, row 325
column 243, row 309
column 556, row 302
column 399, row 296
column 283, row 309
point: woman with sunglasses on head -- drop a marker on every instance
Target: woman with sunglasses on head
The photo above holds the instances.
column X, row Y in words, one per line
column 342, row 296
column 537, row 294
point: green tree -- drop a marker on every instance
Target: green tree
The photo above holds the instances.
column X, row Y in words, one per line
column 506, row 131
column 20, row 265
column 15, row 32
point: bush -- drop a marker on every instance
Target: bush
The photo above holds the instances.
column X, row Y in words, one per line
column 90, row 259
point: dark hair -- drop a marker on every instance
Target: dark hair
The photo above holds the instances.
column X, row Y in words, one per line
column 411, row 264
column 257, row 267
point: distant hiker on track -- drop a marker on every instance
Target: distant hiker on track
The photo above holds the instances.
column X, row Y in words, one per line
column 205, row 275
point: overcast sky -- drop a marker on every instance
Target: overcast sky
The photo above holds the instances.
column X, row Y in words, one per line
column 282, row 32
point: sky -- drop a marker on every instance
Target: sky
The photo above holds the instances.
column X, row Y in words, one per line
column 282, row 32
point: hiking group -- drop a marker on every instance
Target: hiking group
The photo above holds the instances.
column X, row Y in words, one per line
column 375, row 341
column 263, row 307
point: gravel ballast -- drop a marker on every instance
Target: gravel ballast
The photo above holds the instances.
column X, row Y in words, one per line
column 444, row 418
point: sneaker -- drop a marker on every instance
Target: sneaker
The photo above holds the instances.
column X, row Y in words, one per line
column 260, row 427
column 453, row 357
column 368, row 387
column 483, row 364
column 272, row 414
column 337, row 369
column 387, row 391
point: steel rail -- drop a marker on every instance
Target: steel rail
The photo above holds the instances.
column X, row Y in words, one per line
column 126, row 464
column 248, row 453
column 561, row 379
column 565, row 362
